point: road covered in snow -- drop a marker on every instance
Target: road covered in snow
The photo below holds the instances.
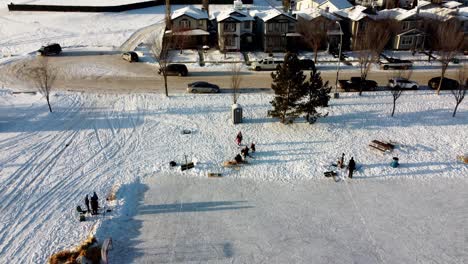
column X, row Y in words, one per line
column 279, row 201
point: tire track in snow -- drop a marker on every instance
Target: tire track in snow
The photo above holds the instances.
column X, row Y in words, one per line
column 125, row 145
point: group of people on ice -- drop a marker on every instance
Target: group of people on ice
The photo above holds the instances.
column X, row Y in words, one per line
column 94, row 202
column 351, row 165
column 242, row 156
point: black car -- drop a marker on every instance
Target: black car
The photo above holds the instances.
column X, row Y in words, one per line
column 202, row 87
column 355, row 83
column 447, row 84
column 176, row 70
column 51, row 49
column 130, row 56
column 307, row 64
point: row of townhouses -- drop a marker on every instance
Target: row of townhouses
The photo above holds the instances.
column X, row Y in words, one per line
column 240, row 29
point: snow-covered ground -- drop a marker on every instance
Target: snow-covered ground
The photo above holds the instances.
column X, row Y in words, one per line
column 95, row 142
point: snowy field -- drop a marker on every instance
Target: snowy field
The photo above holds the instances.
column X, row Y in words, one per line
column 96, row 142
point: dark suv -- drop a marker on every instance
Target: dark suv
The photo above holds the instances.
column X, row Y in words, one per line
column 307, row 64
column 447, row 84
column 176, row 69
column 51, row 49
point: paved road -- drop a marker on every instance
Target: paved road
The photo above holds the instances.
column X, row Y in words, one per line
column 79, row 73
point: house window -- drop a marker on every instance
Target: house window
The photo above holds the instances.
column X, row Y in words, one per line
column 406, row 25
column 229, row 27
column 247, row 24
column 200, row 23
column 184, row 23
column 406, row 41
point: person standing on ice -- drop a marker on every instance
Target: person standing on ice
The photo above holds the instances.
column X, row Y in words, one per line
column 351, row 167
column 341, row 161
column 239, row 138
column 252, row 147
column 94, row 204
column 86, row 200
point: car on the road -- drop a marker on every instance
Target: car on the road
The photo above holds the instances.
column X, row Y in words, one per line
column 402, row 83
column 447, row 83
column 175, row 70
column 307, row 64
column 393, row 63
column 202, row 87
column 269, row 63
column 130, row 56
column 355, row 83
column 50, row 49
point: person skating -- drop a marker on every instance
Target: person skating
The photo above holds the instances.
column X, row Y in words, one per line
column 86, row 200
column 351, row 167
column 239, row 138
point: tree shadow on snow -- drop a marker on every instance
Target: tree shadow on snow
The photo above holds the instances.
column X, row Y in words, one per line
column 192, row 207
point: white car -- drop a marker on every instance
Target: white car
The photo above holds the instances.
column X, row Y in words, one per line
column 402, row 83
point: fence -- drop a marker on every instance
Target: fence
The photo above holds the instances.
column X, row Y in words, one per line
column 117, row 8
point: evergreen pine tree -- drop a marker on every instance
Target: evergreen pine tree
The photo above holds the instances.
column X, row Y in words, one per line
column 288, row 85
column 317, row 94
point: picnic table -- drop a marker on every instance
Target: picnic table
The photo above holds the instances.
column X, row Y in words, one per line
column 382, row 146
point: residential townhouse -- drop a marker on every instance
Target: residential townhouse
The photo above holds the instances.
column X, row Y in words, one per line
column 321, row 23
column 235, row 30
column 277, row 31
column 189, row 27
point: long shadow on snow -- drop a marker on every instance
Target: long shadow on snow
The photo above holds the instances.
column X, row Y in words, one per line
column 192, row 207
column 35, row 118
column 374, row 120
column 126, row 228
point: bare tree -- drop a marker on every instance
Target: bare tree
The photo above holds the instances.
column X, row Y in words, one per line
column 447, row 41
column 181, row 38
column 236, row 79
column 460, row 92
column 43, row 76
column 168, row 15
column 396, row 90
column 160, row 47
column 396, row 93
column 206, row 5
column 314, row 34
column 370, row 43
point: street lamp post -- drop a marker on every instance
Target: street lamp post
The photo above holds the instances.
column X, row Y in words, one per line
column 336, row 94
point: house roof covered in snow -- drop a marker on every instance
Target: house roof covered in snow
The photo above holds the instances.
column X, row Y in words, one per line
column 190, row 11
column 396, row 13
column 452, row 4
column 339, row 4
column 272, row 13
column 440, row 13
column 356, row 13
column 312, row 13
column 243, row 16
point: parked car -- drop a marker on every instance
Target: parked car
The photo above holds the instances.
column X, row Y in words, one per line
column 388, row 62
column 354, row 84
column 307, row 64
column 269, row 63
column 130, row 56
column 447, row 84
column 202, row 87
column 176, row 70
column 402, row 83
column 51, row 49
